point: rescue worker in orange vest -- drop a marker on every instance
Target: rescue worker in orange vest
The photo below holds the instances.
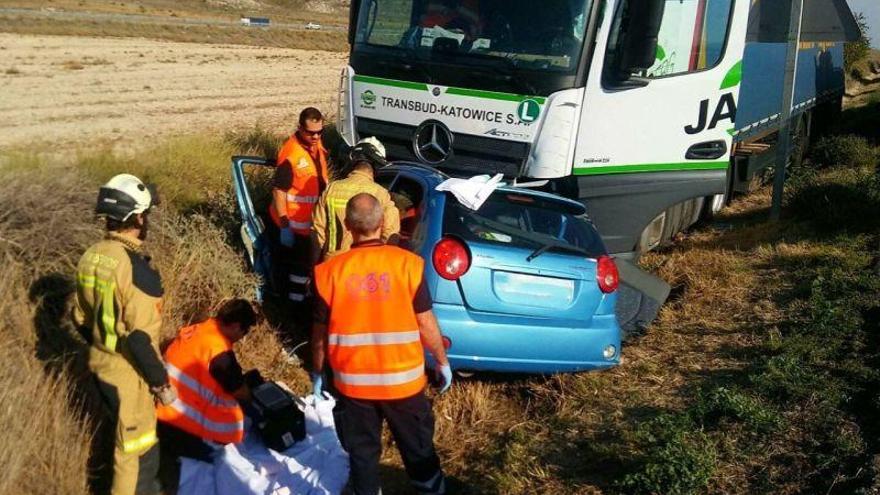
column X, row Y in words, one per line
column 373, row 317
column 329, row 235
column 300, row 177
column 119, row 310
column 210, row 384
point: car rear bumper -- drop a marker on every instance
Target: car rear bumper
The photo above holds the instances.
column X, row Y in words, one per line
column 493, row 342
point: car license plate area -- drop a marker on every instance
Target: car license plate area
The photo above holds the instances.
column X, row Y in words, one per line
column 533, row 290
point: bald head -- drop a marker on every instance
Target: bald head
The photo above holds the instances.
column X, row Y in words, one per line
column 363, row 217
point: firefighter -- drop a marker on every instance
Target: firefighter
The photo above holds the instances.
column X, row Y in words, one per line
column 300, row 177
column 210, row 384
column 119, row 307
column 329, row 235
column 373, row 317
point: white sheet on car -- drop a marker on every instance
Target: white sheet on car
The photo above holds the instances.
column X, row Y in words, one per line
column 472, row 192
column 316, row 465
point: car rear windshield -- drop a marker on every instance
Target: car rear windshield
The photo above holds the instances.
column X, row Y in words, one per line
column 522, row 220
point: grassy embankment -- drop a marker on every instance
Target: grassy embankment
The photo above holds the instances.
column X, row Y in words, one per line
column 760, row 376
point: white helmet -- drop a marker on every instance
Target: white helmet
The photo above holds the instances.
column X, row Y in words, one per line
column 380, row 148
column 368, row 149
column 124, row 195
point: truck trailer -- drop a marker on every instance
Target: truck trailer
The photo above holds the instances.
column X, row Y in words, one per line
column 650, row 112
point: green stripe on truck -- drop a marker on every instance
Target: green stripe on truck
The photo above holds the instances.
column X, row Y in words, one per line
column 650, row 167
column 493, row 95
column 392, row 82
column 475, row 93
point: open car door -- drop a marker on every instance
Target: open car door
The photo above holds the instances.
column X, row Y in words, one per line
column 253, row 230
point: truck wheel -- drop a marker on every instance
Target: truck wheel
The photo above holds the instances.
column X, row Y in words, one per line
column 800, row 142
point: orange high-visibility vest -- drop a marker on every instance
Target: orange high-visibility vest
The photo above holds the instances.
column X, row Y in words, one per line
column 373, row 341
column 202, row 407
column 309, row 179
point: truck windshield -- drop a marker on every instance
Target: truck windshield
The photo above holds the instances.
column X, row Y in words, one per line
column 513, row 41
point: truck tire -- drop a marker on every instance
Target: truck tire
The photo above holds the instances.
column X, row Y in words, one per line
column 800, row 142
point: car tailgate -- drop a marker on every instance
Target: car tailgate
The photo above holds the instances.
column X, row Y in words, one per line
column 552, row 285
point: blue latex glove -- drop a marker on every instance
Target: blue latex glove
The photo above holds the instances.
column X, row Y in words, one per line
column 317, row 385
column 445, row 371
column 287, row 237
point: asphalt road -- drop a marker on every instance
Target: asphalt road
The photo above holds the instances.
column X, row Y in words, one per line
column 148, row 19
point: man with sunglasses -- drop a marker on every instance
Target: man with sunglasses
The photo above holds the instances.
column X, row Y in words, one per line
column 301, row 176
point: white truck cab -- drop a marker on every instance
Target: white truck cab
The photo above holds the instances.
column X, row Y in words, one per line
column 627, row 105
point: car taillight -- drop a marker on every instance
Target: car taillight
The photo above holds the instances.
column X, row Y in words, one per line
column 606, row 274
column 451, row 258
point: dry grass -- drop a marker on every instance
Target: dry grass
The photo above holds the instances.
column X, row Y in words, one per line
column 221, row 34
column 742, row 289
column 12, row 71
column 190, row 171
column 72, row 65
column 44, row 440
column 46, row 426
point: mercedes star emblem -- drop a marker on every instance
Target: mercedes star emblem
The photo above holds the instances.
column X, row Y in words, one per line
column 432, row 142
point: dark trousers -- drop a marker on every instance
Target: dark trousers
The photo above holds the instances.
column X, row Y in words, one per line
column 175, row 443
column 291, row 266
column 412, row 426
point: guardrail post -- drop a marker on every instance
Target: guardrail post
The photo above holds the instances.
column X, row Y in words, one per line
column 783, row 143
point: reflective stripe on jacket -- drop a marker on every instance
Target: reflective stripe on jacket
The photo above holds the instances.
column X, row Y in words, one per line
column 202, row 407
column 328, row 218
column 309, row 179
column 373, row 342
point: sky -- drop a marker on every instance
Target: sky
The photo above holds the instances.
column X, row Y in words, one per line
column 871, row 9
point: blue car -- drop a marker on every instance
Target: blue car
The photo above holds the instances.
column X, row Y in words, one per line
column 524, row 284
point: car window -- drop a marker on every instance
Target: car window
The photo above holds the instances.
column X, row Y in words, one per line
column 521, row 220
column 385, row 179
column 408, row 195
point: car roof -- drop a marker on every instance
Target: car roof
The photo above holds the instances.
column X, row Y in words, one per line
column 434, row 177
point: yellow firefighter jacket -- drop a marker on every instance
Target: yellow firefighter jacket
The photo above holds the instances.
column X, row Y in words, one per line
column 118, row 293
column 328, row 217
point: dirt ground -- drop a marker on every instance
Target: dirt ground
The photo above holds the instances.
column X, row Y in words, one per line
column 67, row 91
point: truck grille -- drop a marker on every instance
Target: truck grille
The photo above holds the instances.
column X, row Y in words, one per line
column 470, row 154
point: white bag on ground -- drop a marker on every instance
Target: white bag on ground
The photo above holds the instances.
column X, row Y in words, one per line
column 315, row 465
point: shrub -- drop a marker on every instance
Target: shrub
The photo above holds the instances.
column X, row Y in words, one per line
column 722, row 404
column 679, row 459
column 844, row 150
column 830, row 202
column 856, row 51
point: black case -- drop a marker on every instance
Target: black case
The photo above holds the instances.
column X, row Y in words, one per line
column 281, row 424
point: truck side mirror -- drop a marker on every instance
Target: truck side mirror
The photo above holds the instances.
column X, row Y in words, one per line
column 637, row 41
column 353, row 20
